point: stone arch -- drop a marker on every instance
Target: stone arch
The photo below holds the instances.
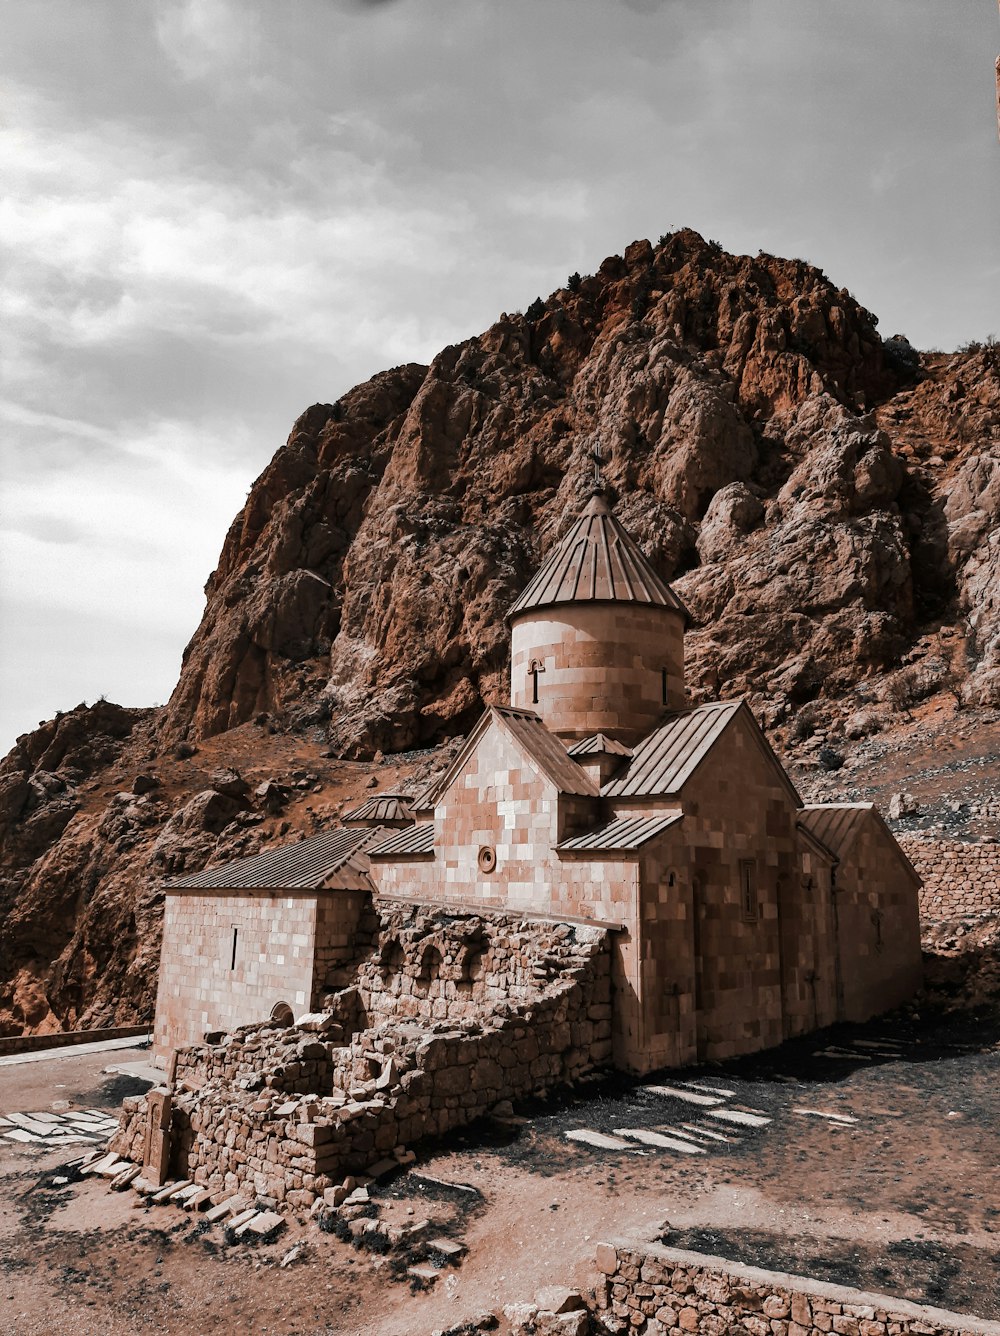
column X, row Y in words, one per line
column 431, row 963
column 391, row 958
column 472, row 967
column 282, row 1014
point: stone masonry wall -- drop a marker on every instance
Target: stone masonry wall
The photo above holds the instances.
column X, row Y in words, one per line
column 282, row 1112
column 658, row 1291
column 960, row 880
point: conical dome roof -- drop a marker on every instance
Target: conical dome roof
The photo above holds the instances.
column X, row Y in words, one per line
column 597, row 562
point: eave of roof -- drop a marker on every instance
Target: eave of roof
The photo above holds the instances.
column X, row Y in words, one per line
column 381, row 807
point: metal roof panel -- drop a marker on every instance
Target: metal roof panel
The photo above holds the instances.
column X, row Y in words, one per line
column 597, row 561
column 417, row 840
column 666, row 759
column 306, row 865
column 623, row 835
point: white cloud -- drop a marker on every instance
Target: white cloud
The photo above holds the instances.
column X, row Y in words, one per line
column 218, row 211
column 205, row 38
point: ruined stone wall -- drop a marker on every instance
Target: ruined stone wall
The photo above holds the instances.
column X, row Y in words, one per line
column 658, row 1291
column 295, row 1060
column 283, row 1111
column 960, row 880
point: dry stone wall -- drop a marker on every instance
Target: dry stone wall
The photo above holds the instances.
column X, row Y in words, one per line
column 421, row 1044
column 659, row 1291
column 960, row 880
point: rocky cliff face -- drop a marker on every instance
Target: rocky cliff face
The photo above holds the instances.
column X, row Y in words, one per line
column 826, row 503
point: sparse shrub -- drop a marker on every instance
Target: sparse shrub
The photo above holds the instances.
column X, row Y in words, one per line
column 901, row 354
column 535, row 311
column 829, row 759
column 373, row 1241
column 574, row 282
column 332, row 1223
column 914, row 683
column 989, row 347
column 806, row 722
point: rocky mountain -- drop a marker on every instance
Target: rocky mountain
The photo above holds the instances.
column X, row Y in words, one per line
column 826, row 502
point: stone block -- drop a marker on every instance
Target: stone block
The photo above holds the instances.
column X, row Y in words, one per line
column 559, row 1299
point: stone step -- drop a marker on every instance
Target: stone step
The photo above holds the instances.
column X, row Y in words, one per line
column 708, row 1089
column 447, row 1247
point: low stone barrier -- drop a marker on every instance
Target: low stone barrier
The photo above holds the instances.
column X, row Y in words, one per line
column 661, row 1291
column 36, row 1043
column 960, row 880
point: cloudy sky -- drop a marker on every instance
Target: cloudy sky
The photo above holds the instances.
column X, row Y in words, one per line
column 216, row 212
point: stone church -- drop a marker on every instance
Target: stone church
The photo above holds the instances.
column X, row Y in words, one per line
column 738, row 916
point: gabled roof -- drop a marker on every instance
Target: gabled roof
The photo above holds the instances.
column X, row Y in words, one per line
column 663, row 762
column 381, row 807
column 623, row 835
column 334, row 861
column 837, row 825
column 597, row 561
column 542, row 748
column 598, row 744
column 415, row 842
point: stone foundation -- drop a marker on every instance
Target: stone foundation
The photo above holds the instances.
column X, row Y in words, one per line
column 960, row 880
column 658, row 1291
column 449, row 1015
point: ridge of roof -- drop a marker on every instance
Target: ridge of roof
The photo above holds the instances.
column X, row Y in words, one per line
column 665, row 759
column 597, row 561
column 599, row 744
column 543, row 748
column 837, row 825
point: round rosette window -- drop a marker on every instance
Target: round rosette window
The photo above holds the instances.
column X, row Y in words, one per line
column 487, row 858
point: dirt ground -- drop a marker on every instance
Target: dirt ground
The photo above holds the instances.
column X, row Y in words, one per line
column 904, row 1200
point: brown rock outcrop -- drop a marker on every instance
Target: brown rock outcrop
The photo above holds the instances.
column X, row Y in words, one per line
column 828, row 506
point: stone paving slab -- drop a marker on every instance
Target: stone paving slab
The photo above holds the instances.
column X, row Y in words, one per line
column 739, row 1117
column 658, row 1140
column 688, row 1096
column 599, row 1139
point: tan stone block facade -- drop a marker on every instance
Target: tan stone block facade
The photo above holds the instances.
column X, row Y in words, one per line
column 602, row 667
column 229, row 958
column 878, row 923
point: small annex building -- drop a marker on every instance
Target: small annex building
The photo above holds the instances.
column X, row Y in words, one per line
column 741, row 917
